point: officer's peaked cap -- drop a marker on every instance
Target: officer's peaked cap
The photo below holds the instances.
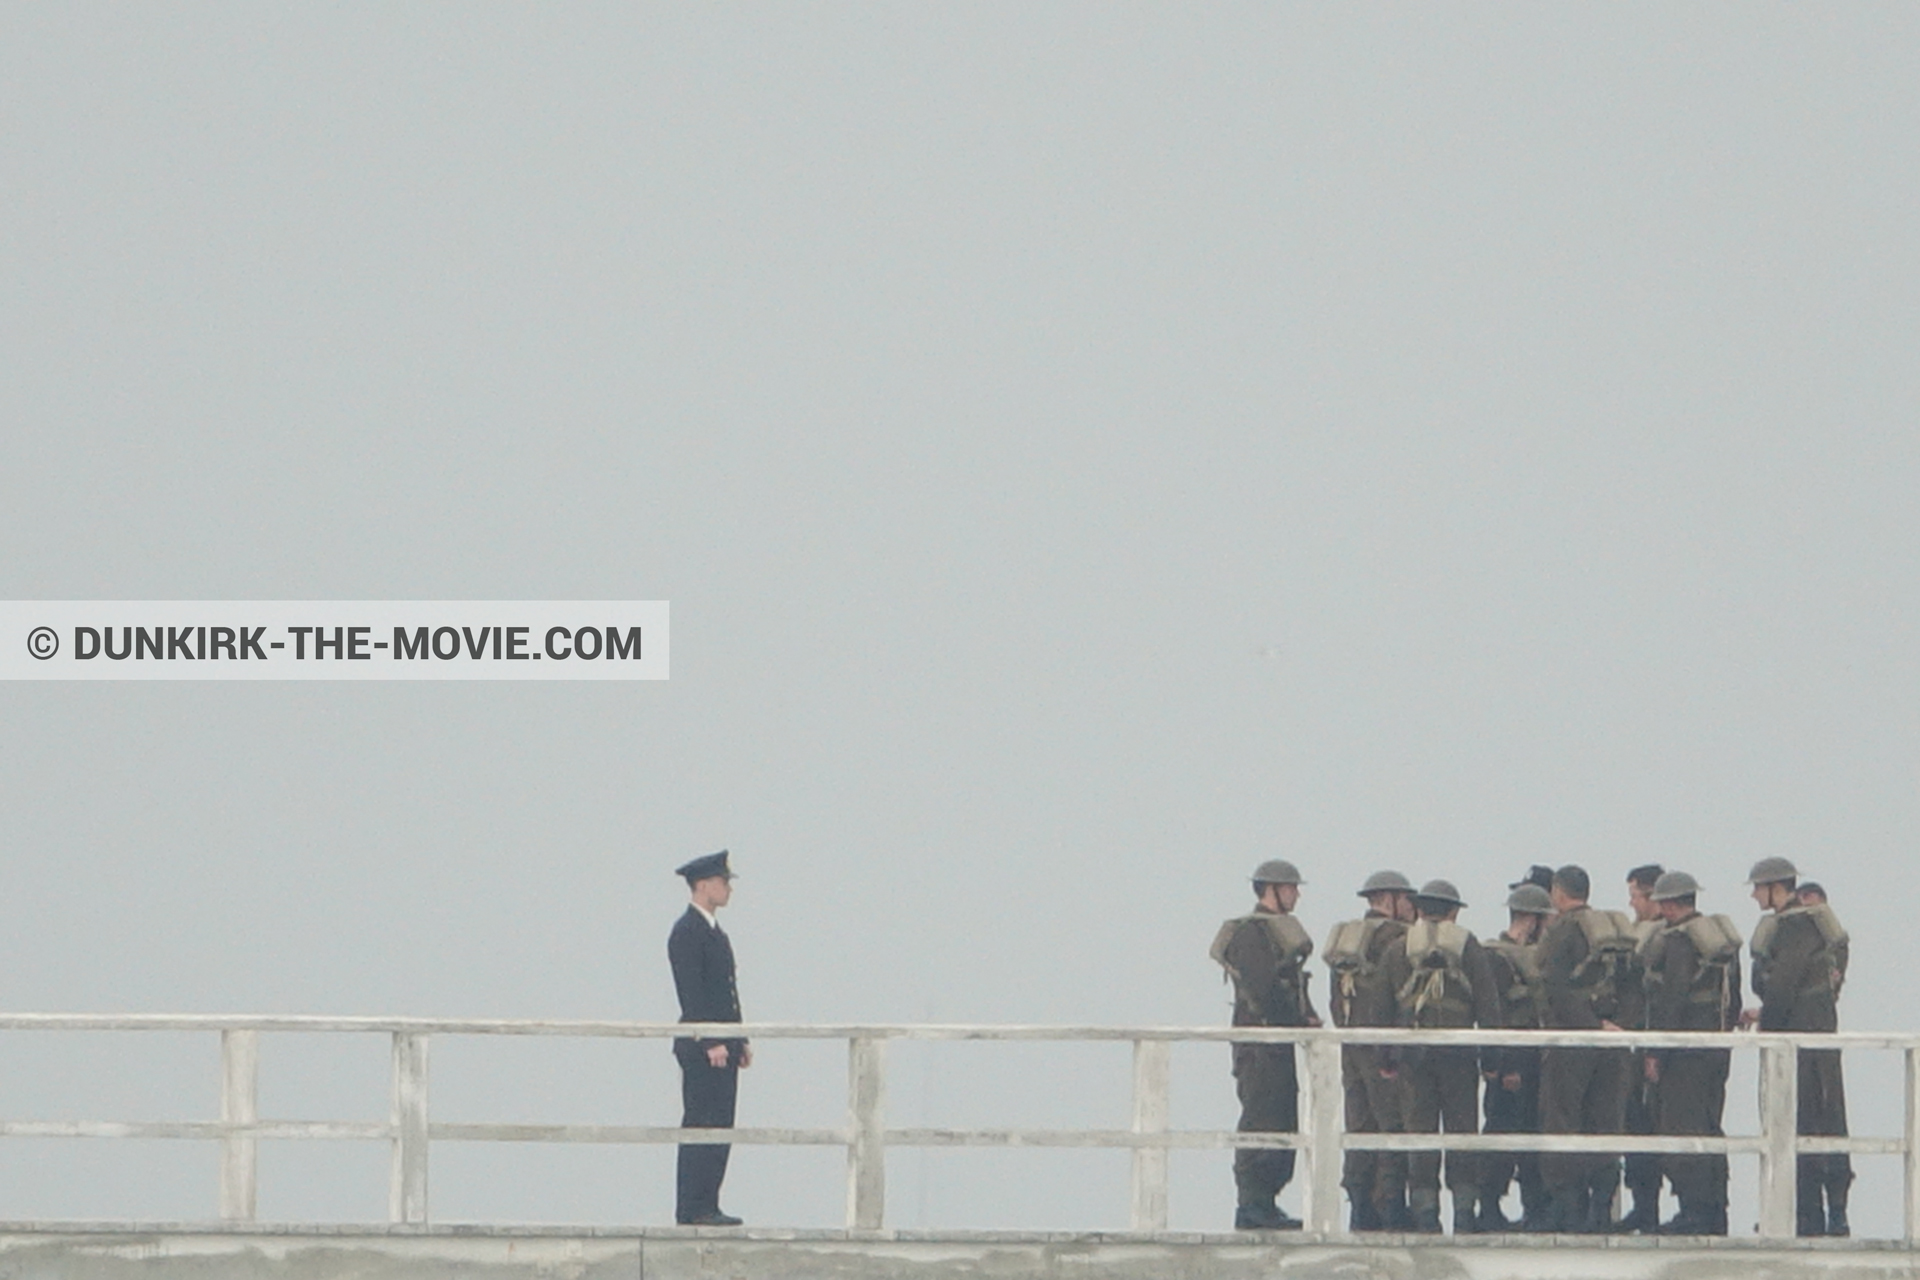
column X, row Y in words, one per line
column 1440, row 891
column 1277, row 871
column 1769, row 870
column 1674, row 884
column 702, row 868
column 1530, row 898
column 1386, row 882
column 1536, row 875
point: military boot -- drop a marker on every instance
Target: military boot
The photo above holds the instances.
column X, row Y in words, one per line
column 1425, row 1207
column 1258, row 1217
column 1466, row 1212
column 1492, row 1220
column 1362, row 1216
column 1643, row 1218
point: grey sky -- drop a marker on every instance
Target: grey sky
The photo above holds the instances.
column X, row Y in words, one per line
column 1088, row 450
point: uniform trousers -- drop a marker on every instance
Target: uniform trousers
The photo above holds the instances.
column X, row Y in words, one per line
column 1373, row 1105
column 1269, row 1087
column 1643, row 1169
column 1691, row 1098
column 1823, row 1113
column 1583, row 1091
column 707, row 1096
column 1442, row 1093
column 1515, row 1111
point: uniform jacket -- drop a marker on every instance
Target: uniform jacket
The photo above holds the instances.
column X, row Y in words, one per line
column 1272, row 988
column 702, row 961
column 1373, row 996
column 1673, row 964
column 1795, row 982
column 1567, row 1005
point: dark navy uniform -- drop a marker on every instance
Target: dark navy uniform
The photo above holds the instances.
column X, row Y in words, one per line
column 703, row 976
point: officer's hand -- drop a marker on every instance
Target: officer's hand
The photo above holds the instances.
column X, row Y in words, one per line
column 746, row 1056
column 1389, row 1073
column 1652, row 1070
column 1510, row 1082
column 1748, row 1017
column 1313, row 1020
column 717, row 1055
column 1608, row 1024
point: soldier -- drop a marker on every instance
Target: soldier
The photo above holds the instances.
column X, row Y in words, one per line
column 1264, row 954
column 1798, row 967
column 1692, row 970
column 1642, row 1168
column 1375, row 1181
column 1513, row 1073
column 1590, row 981
column 1440, row 977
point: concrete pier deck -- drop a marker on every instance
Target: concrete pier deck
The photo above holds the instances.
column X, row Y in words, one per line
column 263, row 1251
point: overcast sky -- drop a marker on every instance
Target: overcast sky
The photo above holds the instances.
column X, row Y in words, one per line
column 1088, row 450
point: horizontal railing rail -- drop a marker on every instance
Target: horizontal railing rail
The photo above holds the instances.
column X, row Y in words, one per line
column 866, row 1138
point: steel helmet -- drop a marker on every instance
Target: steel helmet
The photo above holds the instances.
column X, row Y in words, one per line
column 1674, row 884
column 1386, row 882
column 1440, row 891
column 1277, row 871
column 1530, row 898
column 1770, row 870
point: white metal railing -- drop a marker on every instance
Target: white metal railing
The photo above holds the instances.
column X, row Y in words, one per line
column 866, row 1138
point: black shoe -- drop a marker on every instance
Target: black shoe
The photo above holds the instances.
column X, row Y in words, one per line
column 1837, row 1221
column 1643, row 1220
column 1361, row 1216
column 1599, row 1220
column 1686, row 1223
column 1466, row 1219
column 1426, row 1218
column 714, row 1219
column 1259, row 1217
column 1395, row 1217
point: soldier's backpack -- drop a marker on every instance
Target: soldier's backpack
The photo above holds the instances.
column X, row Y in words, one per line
column 1291, row 944
column 1833, row 939
column 1716, row 946
column 1520, row 992
column 1611, row 966
column 1349, row 954
column 1438, row 992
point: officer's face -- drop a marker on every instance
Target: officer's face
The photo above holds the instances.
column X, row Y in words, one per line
column 714, row 891
column 1644, row 907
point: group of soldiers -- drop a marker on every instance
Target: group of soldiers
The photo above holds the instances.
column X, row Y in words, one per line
column 1560, row 964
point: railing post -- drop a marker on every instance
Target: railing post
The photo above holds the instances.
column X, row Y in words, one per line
column 1326, row 1124
column 1913, row 1145
column 407, row 1191
column 866, row 1133
column 239, row 1104
column 1779, row 1120
column 1152, row 1080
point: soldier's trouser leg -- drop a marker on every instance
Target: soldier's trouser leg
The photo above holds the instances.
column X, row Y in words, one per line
column 1373, row 1105
column 1641, row 1171
column 1693, row 1089
column 1459, row 1080
column 1613, row 1078
column 1420, row 1068
column 1388, row 1098
column 1566, row 1076
column 1823, row 1113
column 1269, row 1089
column 1356, row 1167
column 1503, row 1115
